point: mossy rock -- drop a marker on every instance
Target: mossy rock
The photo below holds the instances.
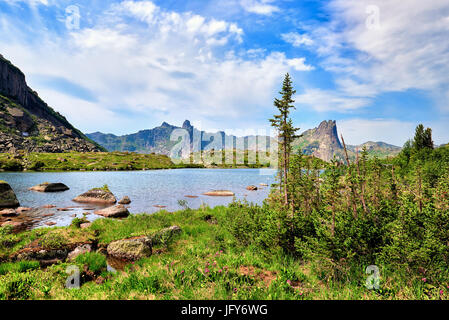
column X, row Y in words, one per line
column 130, row 249
column 8, row 198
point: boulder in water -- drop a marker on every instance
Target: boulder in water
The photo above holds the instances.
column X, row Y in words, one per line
column 8, row 213
column 8, row 198
column 220, row 193
column 98, row 195
column 251, row 188
column 50, row 187
column 125, row 200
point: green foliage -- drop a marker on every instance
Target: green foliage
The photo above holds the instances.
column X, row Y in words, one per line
column 20, row 266
column 90, row 161
column 7, row 164
column 103, row 188
column 77, row 222
column 286, row 132
column 52, row 241
column 423, row 138
column 95, row 262
column 18, row 286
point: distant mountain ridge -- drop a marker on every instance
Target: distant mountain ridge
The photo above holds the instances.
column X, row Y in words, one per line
column 28, row 123
column 322, row 142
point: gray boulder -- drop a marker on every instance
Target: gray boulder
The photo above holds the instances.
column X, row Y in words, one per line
column 99, row 196
column 130, row 249
column 125, row 200
column 78, row 251
column 8, row 198
column 118, row 211
column 50, row 187
column 164, row 236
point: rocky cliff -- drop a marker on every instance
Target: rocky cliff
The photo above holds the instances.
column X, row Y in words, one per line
column 28, row 123
column 322, row 142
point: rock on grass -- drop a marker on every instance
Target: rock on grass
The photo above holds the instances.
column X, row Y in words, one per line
column 117, row 211
column 130, row 249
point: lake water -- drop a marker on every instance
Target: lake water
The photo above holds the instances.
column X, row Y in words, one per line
column 146, row 189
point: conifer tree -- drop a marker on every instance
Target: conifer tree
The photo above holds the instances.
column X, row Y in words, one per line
column 286, row 132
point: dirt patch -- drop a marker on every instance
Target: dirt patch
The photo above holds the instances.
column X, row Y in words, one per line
column 259, row 274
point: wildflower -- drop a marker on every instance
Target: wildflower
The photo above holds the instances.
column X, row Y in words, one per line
column 182, row 271
column 424, row 279
column 441, row 292
column 235, row 289
column 220, row 271
column 300, row 293
column 289, row 282
column 206, row 270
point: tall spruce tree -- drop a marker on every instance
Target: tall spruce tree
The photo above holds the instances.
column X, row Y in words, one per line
column 423, row 138
column 286, row 132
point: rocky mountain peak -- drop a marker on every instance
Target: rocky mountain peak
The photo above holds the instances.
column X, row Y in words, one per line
column 187, row 125
column 327, row 130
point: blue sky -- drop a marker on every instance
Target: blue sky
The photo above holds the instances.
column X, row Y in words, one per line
column 377, row 67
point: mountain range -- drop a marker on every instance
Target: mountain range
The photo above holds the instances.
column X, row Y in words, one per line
column 322, row 142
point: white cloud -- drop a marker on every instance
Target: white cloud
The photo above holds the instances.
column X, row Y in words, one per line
column 408, row 50
column 299, row 64
column 263, row 7
column 31, row 3
column 323, row 101
column 358, row 131
column 297, row 39
column 168, row 68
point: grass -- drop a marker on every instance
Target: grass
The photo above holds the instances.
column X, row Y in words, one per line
column 93, row 161
column 204, row 262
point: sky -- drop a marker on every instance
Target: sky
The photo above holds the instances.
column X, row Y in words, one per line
column 378, row 67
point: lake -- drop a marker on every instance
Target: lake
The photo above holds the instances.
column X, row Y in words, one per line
column 146, row 189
